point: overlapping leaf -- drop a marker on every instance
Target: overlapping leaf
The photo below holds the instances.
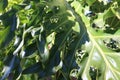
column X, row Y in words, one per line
column 55, row 40
column 103, row 50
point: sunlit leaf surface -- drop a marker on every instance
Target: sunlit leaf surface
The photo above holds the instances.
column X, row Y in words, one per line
column 59, row 39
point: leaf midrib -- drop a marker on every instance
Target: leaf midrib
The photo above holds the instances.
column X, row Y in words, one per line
column 102, row 54
column 92, row 38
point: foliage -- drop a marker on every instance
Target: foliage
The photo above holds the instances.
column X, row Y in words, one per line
column 59, row 39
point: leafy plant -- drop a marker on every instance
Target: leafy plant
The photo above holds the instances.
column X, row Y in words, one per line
column 59, row 39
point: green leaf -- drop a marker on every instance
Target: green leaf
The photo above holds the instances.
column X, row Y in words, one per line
column 37, row 67
column 43, row 49
column 116, row 11
column 11, row 62
column 9, row 21
column 18, row 71
column 90, row 2
column 98, row 64
column 29, row 50
column 8, row 36
column 108, row 14
column 3, row 4
column 54, row 39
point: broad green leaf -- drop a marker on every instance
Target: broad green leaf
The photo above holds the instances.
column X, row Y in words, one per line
column 60, row 39
column 98, row 65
